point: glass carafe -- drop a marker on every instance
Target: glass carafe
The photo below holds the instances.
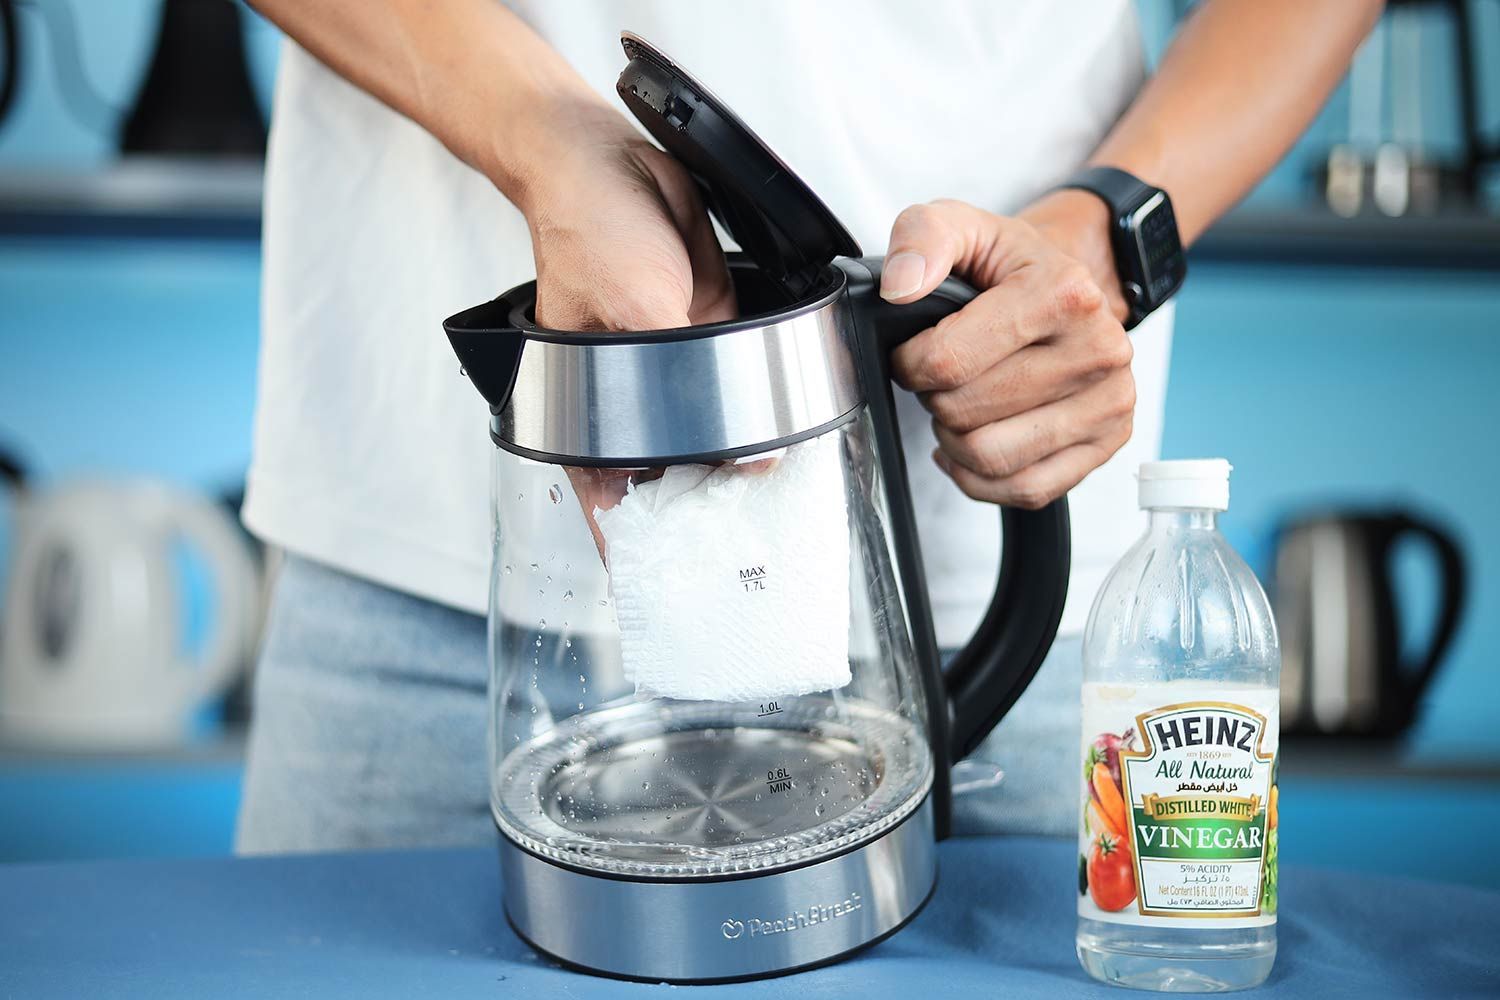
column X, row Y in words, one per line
column 681, row 778
column 594, row 771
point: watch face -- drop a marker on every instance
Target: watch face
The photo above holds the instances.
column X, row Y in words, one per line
column 1155, row 229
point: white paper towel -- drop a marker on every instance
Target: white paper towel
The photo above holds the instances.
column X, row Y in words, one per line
column 732, row 584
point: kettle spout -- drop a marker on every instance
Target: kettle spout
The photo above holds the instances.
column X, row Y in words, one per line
column 488, row 346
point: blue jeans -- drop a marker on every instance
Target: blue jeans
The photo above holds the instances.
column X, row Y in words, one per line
column 370, row 715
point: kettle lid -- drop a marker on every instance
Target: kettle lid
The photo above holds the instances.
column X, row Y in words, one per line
column 771, row 212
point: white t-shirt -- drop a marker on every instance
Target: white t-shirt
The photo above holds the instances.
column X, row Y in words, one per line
column 372, row 453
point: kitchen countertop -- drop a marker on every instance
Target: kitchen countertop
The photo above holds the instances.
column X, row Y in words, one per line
column 429, row 923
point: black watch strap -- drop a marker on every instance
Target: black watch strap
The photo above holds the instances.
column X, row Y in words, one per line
column 1118, row 188
column 1124, row 193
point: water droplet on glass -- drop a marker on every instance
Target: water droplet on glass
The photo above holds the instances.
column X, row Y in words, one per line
column 520, row 496
column 581, row 680
column 580, row 706
column 549, row 579
column 541, row 623
column 535, row 567
column 539, row 642
column 825, row 793
column 819, row 811
column 555, row 493
column 645, row 786
column 463, row 371
column 567, row 595
column 507, row 569
column 603, row 604
column 567, row 644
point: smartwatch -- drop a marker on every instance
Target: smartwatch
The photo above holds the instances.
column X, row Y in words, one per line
column 1143, row 234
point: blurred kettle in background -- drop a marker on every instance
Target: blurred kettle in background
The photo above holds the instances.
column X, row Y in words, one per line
column 94, row 650
column 1343, row 670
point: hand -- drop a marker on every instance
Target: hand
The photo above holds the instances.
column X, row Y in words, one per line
column 620, row 235
column 1029, row 384
column 622, row 242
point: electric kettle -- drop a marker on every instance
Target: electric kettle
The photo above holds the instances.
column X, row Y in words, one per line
column 778, row 815
column 1344, row 673
column 92, row 649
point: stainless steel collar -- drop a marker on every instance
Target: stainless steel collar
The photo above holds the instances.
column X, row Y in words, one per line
column 702, row 394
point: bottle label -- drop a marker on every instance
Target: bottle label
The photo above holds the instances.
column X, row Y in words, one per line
column 1179, row 804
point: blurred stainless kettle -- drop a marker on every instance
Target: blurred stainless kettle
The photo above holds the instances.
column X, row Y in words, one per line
column 91, row 647
column 1343, row 672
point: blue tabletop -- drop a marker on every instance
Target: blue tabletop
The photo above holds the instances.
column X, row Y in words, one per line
column 429, row 923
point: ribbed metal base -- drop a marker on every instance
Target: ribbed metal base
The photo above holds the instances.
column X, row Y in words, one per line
column 713, row 930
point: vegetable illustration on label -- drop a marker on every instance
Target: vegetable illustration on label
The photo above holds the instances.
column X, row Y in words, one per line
column 1111, row 878
column 1108, row 875
column 1268, row 887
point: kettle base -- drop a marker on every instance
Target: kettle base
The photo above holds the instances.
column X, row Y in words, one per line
column 696, row 931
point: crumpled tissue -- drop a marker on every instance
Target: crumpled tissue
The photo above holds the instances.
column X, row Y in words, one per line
column 731, row 583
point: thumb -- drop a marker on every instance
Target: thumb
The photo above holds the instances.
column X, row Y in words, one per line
column 928, row 242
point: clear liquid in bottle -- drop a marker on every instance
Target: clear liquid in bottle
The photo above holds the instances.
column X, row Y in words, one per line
column 1177, row 869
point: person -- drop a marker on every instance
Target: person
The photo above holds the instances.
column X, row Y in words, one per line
column 424, row 157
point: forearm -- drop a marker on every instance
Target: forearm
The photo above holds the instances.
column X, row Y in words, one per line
column 1242, row 80
column 468, row 71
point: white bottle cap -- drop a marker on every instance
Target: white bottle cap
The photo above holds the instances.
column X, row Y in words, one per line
column 1201, row 483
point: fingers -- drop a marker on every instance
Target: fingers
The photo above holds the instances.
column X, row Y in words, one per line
column 577, row 289
column 1033, row 376
column 965, row 344
column 1000, row 449
column 1048, row 296
column 597, row 489
column 930, row 241
column 1038, row 484
column 713, row 293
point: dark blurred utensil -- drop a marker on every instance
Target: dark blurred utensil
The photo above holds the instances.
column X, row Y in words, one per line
column 1393, row 170
column 1343, row 672
column 10, row 52
column 197, row 98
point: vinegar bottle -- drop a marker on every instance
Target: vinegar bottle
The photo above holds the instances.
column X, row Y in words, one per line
column 1178, row 805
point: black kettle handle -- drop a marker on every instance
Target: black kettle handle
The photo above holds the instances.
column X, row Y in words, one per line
column 987, row 676
column 1418, row 673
